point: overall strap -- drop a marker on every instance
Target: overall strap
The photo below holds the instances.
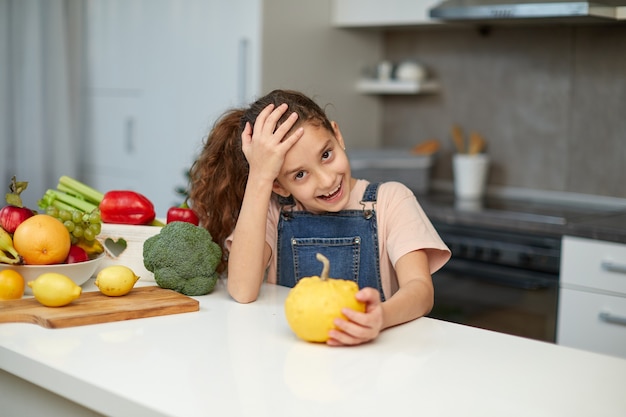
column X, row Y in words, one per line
column 369, row 196
column 286, row 201
column 370, row 193
column 286, row 206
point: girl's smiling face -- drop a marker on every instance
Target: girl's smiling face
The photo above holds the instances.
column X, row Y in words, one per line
column 316, row 171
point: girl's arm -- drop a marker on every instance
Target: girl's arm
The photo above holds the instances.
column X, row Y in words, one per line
column 265, row 147
column 249, row 253
column 413, row 299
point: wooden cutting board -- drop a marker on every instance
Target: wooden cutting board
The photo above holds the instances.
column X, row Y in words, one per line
column 95, row 307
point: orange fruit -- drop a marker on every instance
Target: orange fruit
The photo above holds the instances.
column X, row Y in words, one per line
column 42, row 240
column 11, row 285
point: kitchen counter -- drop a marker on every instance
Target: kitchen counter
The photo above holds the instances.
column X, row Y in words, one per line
column 530, row 216
column 610, row 228
column 233, row 359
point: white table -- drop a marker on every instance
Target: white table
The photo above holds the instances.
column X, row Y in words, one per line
column 233, row 359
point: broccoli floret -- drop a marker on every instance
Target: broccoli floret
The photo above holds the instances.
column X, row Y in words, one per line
column 183, row 257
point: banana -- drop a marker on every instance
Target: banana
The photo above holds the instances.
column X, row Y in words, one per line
column 92, row 248
column 4, row 259
column 6, row 246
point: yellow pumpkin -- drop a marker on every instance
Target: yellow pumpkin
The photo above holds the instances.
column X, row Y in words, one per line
column 315, row 302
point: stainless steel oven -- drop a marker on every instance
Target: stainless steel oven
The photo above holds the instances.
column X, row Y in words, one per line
column 499, row 280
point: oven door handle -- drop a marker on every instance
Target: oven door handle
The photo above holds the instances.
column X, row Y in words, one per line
column 612, row 266
column 612, row 318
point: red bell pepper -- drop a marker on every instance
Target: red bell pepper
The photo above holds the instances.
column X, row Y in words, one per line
column 126, row 207
column 182, row 213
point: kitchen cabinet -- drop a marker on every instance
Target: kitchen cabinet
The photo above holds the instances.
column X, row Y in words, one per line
column 374, row 13
column 592, row 299
column 160, row 73
column 114, row 146
column 115, row 40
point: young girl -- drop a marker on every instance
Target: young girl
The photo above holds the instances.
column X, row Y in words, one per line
column 273, row 183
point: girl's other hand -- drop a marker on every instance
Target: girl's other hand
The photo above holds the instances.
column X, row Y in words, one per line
column 265, row 145
column 360, row 327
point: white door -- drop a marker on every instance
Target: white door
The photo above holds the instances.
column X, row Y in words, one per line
column 115, row 146
column 161, row 72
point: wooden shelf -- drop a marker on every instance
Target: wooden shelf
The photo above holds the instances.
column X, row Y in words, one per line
column 397, row 87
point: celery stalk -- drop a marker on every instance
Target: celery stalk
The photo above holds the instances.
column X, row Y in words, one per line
column 78, row 189
column 51, row 197
column 62, row 206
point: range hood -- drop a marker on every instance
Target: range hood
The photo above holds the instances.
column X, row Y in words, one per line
column 529, row 10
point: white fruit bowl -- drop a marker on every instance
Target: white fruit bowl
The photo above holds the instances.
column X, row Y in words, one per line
column 78, row 272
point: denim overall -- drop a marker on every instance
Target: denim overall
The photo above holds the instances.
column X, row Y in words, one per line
column 348, row 238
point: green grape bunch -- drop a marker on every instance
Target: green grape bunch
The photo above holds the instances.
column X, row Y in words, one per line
column 80, row 225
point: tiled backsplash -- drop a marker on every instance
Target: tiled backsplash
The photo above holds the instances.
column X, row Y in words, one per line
column 551, row 102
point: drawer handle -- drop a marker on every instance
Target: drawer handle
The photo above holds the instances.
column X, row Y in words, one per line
column 613, row 267
column 612, row 318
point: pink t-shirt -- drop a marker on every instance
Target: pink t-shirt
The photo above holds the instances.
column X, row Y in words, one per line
column 402, row 228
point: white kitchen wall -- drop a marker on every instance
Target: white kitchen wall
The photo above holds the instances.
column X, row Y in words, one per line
column 550, row 101
column 303, row 51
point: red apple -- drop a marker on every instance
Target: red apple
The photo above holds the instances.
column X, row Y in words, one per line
column 12, row 216
column 77, row 254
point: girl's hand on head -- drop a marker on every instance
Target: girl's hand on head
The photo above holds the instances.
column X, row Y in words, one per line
column 265, row 145
column 360, row 327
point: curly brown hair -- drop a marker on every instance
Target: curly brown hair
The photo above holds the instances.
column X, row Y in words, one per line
column 218, row 177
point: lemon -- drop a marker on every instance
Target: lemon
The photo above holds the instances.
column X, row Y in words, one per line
column 315, row 302
column 54, row 290
column 116, row 280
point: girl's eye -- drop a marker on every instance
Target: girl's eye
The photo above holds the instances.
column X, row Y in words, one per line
column 299, row 175
column 327, row 155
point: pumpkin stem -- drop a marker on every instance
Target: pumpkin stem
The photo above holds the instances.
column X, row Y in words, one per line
column 326, row 268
